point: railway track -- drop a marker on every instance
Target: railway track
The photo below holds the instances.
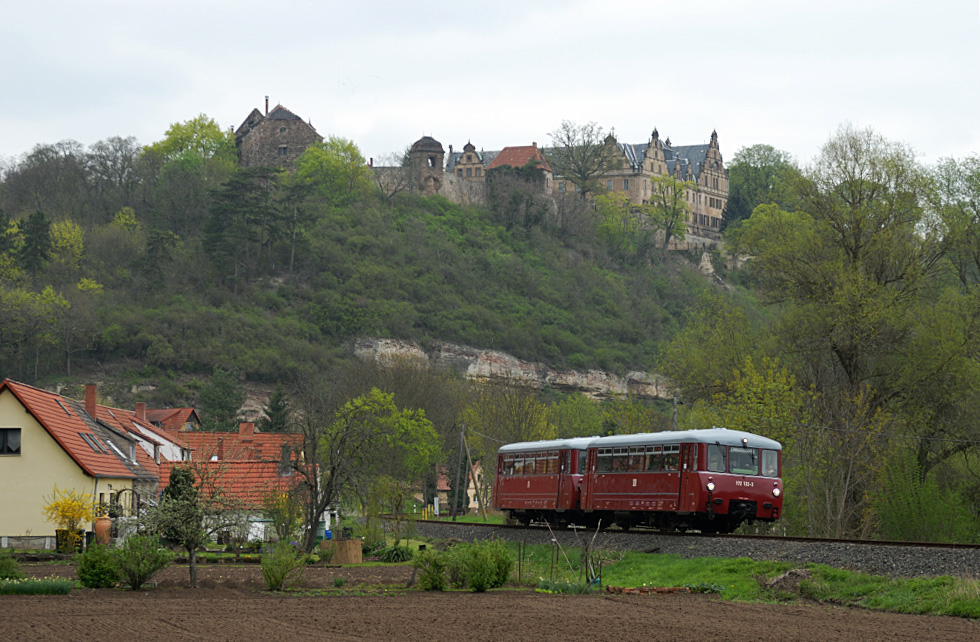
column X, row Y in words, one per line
column 640, row 531
column 905, row 559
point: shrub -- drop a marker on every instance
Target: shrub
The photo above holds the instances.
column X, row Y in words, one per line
column 503, row 562
column 572, row 588
column 481, row 571
column 139, row 558
column 432, row 570
column 479, row 566
column 9, row 568
column 338, row 582
column 96, row 567
column 282, row 567
column 68, row 509
column 396, row 554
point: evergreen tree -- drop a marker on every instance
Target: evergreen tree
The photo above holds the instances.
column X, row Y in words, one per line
column 221, row 400
column 277, row 412
column 36, row 250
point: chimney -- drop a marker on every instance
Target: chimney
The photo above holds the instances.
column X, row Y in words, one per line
column 141, row 410
column 534, row 145
column 246, row 429
column 90, row 399
column 266, row 105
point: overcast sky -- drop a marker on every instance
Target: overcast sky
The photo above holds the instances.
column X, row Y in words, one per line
column 498, row 73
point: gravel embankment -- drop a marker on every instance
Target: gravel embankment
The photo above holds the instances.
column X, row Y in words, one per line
column 898, row 561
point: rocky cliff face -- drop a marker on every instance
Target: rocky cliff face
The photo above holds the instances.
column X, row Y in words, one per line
column 491, row 365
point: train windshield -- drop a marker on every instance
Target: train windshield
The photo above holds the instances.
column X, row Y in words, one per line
column 770, row 463
column 717, row 458
column 744, row 461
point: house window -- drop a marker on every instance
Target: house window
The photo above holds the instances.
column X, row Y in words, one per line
column 9, row 441
column 561, row 188
column 609, row 185
column 626, row 183
column 282, row 150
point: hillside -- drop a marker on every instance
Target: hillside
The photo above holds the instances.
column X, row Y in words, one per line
column 248, row 275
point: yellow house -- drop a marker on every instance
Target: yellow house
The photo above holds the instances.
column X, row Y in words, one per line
column 48, row 440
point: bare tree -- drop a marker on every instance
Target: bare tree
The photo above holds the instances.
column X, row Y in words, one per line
column 581, row 154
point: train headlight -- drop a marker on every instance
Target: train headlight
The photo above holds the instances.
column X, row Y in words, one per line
column 711, row 487
column 775, row 492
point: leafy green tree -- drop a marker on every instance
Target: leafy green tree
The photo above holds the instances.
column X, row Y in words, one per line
column 625, row 226
column 8, row 230
column 221, row 399
column 35, row 251
column 204, row 138
column 576, row 416
column 347, row 445
column 669, row 209
column 334, row 171
column 759, row 175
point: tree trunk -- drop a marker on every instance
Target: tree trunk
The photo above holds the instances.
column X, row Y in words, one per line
column 192, row 565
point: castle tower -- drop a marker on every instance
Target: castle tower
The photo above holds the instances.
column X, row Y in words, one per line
column 427, row 158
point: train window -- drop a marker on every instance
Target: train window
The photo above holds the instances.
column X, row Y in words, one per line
column 553, row 462
column 508, row 464
column 636, row 459
column 770, row 463
column 672, row 457
column 655, row 459
column 519, row 465
column 716, row 458
column 743, row 461
column 604, row 460
column 583, row 458
column 620, row 460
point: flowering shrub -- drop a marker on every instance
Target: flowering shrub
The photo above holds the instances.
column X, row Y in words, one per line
column 43, row 586
column 68, row 509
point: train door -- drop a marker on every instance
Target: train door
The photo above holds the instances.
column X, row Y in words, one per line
column 687, row 500
column 588, row 479
column 564, row 482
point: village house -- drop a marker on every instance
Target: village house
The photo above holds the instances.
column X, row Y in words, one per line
column 47, row 440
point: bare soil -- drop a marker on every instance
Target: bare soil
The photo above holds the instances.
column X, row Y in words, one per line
column 231, row 604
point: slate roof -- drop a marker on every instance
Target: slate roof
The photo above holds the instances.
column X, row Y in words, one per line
column 281, row 113
column 427, row 144
column 90, row 445
column 693, row 155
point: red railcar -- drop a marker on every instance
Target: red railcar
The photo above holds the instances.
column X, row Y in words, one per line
column 540, row 479
column 708, row 480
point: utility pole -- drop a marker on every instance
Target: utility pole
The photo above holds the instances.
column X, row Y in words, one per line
column 459, row 465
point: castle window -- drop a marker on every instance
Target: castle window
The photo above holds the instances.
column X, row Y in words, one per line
column 469, row 158
column 561, row 188
column 626, row 183
column 459, row 172
column 282, row 131
column 478, row 171
column 469, row 172
column 609, row 185
column 283, row 149
column 432, row 161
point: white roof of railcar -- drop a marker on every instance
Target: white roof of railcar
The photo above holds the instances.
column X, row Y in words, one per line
column 577, row 443
column 721, row 436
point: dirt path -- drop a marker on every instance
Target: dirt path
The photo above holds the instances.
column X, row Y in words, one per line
column 230, row 606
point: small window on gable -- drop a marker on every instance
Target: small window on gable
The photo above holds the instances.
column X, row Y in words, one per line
column 282, row 131
column 9, row 441
column 283, row 150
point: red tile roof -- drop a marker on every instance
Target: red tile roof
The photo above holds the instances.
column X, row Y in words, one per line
column 248, row 482
column 172, row 418
column 519, row 157
column 72, row 428
column 242, row 445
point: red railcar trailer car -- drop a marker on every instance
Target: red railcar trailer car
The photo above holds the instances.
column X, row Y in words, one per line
column 708, row 480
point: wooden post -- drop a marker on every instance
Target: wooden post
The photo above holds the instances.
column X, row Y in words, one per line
column 476, row 484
